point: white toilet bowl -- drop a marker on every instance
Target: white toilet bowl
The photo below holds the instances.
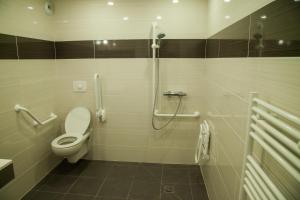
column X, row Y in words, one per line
column 73, row 145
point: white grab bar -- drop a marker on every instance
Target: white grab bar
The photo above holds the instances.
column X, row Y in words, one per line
column 193, row 115
column 36, row 121
column 100, row 111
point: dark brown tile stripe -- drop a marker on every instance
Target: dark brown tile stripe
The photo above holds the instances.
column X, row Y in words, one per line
column 212, row 48
column 274, row 32
column 8, row 47
column 122, row 48
column 182, row 48
column 29, row 48
column 74, row 49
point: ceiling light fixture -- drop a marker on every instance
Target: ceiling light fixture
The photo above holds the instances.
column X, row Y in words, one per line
column 30, row 7
column 158, row 17
column 105, row 42
column 175, row 1
column 263, row 17
column 227, row 17
column 110, row 3
column 227, row 1
column 125, row 18
column 98, row 42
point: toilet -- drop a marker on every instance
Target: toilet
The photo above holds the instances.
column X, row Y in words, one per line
column 73, row 145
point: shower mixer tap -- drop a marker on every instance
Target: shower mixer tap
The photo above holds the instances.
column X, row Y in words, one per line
column 171, row 93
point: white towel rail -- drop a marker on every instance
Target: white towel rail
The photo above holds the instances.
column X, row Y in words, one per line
column 276, row 131
column 36, row 121
column 193, row 115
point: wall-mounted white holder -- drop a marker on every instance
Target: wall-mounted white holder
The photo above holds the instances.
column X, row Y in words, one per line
column 100, row 111
column 193, row 115
column 36, row 121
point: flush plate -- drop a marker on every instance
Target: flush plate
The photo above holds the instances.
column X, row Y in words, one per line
column 79, row 86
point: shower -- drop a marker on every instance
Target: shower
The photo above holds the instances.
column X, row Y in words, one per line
column 157, row 40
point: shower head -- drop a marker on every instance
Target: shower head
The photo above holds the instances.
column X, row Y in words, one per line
column 161, row 35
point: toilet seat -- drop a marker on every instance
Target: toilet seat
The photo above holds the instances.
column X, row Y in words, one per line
column 77, row 121
column 66, row 141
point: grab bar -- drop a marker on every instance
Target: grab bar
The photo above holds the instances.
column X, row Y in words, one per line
column 36, row 121
column 100, row 111
column 193, row 115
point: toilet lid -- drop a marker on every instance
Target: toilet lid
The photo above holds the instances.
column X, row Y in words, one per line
column 77, row 121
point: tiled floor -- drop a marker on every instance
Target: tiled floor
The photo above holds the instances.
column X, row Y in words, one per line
column 101, row 180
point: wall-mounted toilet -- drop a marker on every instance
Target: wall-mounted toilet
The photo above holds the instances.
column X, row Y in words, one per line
column 73, row 145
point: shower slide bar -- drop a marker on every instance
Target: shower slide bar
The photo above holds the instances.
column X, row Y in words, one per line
column 193, row 115
column 275, row 130
column 36, row 121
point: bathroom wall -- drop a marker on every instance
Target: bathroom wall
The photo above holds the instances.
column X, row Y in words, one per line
column 27, row 75
column 125, row 65
column 222, row 13
column 239, row 63
column 93, row 19
column 25, row 18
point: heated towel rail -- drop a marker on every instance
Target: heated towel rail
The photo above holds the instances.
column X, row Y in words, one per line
column 275, row 130
column 36, row 121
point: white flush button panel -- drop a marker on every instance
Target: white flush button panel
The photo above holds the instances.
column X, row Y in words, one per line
column 79, row 86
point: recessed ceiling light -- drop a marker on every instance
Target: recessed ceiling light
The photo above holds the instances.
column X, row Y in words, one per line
column 30, row 7
column 175, row 1
column 110, row 3
column 105, row 42
column 227, row 17
column 125, row 18
column 98, row 42
column 263, row 17
column 227, row 1
column 280, row 42
column 158, row 17
column 114, row 44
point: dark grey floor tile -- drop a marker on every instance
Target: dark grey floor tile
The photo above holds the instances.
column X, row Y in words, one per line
column 126, row 171
column 145, row 190
column 29, row 195
column 196, row 176
column 99, row 169
column 72, row 169
column 108, row 198
column 176, row 192
column 199, row 192
column 58, row 183
column 42, row 182
column 115, row 188
column 176, row 176
column 176, row 166
column 77, row 197
column 39, row 195
column 86, row 185
column 149, row 172
column 121, row 163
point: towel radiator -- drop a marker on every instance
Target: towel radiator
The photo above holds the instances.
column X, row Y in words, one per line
column 276, row 132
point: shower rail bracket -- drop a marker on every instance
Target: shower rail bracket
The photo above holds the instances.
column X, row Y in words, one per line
column 193, row 115
column 36, row 121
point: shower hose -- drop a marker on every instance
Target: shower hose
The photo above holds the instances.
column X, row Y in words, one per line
column 155, row 101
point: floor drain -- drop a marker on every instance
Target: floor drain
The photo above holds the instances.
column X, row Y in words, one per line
column 168, row 189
